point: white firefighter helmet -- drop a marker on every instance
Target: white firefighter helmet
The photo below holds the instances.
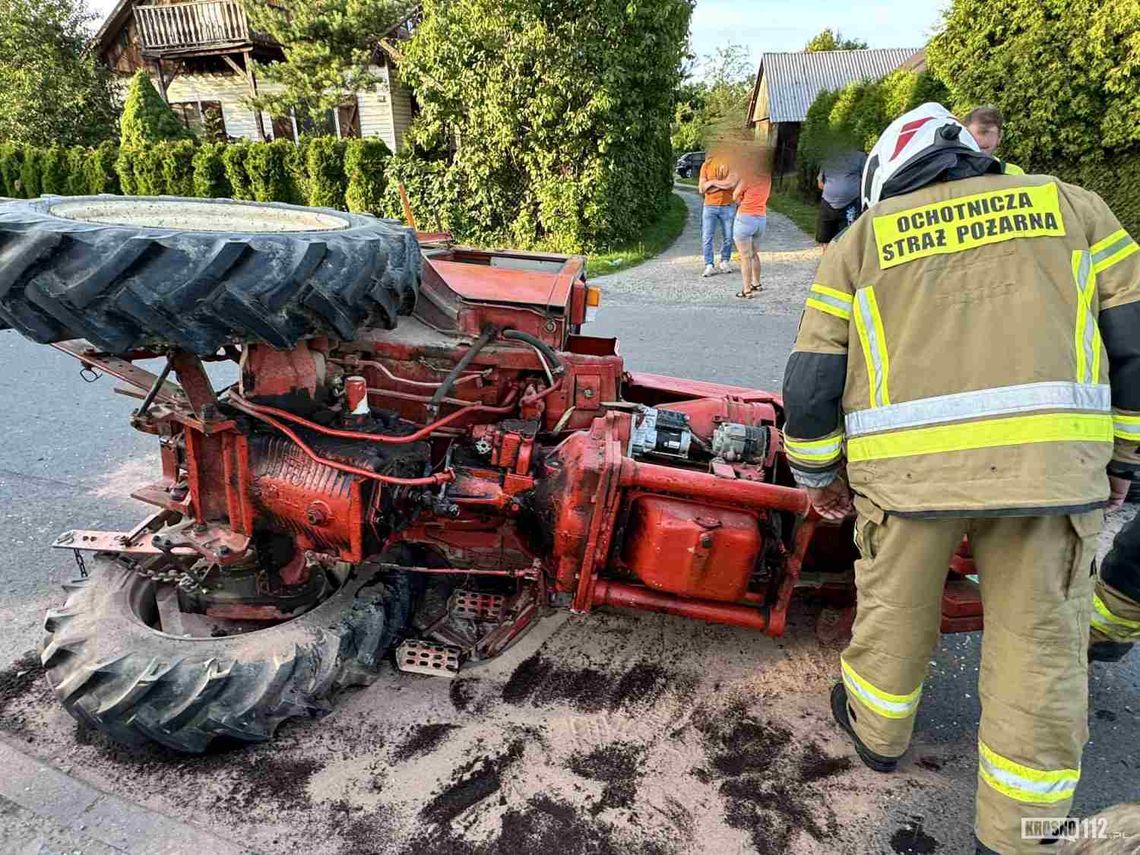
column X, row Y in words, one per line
column 918, row 148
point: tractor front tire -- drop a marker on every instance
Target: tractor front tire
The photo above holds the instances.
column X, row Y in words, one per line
column 117, row 674
column 129, row 273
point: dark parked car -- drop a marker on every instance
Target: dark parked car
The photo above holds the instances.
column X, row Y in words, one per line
column 689, row 164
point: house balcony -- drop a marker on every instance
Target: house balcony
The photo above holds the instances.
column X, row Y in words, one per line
column 194, row 29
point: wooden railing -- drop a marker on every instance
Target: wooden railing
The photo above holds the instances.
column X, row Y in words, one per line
column 192, row 26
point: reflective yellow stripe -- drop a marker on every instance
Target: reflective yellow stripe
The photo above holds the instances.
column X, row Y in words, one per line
column 1012, row 168
column 1024, row 783
column 869, row 324
column 884, row 703
column 831, row 301
column 1126, row 427
column 818, row 452
column 1114, row 626
column 1086, row 335
column 1113, row 249
column 832, row 292
column 829, row 309
column 1045, row 427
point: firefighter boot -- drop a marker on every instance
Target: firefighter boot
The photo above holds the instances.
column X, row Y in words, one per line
column 841, row 712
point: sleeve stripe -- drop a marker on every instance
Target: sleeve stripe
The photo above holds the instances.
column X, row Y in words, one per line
column 832, row 292
column 844, row 314
column 1108, row 241
column 1114, row 254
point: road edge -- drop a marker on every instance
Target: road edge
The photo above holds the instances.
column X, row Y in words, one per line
column 76, row 807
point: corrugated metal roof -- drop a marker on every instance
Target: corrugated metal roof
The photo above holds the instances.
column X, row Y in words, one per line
column 795, row 79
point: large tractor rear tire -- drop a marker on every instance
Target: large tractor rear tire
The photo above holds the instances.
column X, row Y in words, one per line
column 115, row 672
column 129, row 272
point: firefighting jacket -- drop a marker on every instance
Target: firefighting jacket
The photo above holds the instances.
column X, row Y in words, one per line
column 972, row 348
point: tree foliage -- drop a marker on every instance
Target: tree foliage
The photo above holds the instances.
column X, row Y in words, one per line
column 713, row 106
column 1066, row 74
column 549, row 122
column 329, row 47
column 146, row 117
column 55, row 91
column 830, row 39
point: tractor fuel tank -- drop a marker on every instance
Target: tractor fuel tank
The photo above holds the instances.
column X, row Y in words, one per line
column 691, row 549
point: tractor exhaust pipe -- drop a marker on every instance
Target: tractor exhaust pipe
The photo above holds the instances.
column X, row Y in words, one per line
column 633, row 597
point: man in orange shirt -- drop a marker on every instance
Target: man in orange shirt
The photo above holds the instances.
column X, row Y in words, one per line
column 716, row 186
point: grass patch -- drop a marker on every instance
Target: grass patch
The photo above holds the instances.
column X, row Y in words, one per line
column 691, row 182
column 655, row 239
column 793, row 206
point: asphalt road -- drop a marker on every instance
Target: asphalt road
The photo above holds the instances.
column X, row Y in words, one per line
column 68, row 459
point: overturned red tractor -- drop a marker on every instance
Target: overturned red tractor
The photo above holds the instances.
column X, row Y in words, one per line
column 421, row 455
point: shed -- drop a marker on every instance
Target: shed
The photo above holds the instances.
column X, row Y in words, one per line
column 787, row 84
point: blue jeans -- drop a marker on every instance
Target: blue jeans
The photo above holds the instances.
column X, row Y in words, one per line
column 710, row 216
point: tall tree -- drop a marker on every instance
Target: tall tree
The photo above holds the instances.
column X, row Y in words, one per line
column 329, row 48
column 55, row 91
column 830, row 39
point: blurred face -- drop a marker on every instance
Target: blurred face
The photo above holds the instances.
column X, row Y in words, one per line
column 988, row 136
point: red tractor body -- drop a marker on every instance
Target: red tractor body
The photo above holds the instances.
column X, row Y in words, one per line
column 486, row 438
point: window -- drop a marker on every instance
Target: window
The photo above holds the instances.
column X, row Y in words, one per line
column 204, row 118
column 283, row 128
column 348, row 119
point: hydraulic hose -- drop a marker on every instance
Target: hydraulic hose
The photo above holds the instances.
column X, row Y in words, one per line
column 448, row 383
column 538, row 344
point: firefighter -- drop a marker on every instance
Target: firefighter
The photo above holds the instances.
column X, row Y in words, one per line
column 985, row 125
column 968, row 352
column 1116, row 598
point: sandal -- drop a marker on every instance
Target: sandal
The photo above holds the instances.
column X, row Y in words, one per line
column 743, row 294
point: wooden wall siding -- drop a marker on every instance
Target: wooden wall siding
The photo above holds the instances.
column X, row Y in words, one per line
column 375, row 105
column 401, row 109
column 229, row 89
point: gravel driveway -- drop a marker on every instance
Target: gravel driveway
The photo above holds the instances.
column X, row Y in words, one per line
column 787, row 264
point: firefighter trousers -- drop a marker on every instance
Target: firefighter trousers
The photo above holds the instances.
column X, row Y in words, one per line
column 1116, row 596
column 1035, row 576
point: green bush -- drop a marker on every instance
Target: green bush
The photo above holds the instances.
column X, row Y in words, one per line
column 558, row 136
column 274, row 172
column 125, row 171
column 147, row 168
column 365, row 163
column 1064, row 74
column 234, row 161
column 100, row 168
column 210, row 180
column 11, row 159
column 177, row 160
column 53, row 171
column 30, row 182
column 77, row 170
column 325, row 181
column 426, row 184
column 146, row 117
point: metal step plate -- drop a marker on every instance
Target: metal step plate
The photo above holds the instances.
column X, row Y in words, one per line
column 471, row 605
column 416, row 656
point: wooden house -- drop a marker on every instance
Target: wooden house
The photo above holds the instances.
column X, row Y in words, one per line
column 203, row 55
